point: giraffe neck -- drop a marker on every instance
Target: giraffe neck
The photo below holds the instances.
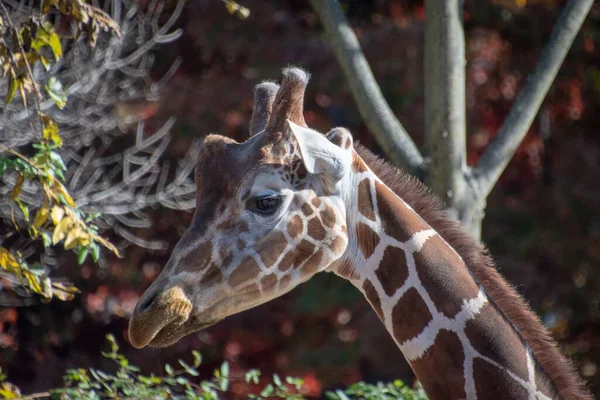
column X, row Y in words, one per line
column 458, row 342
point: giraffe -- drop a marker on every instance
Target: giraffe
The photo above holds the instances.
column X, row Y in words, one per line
column 289, row 202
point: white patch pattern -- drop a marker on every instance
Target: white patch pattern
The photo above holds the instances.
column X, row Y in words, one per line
column 416, row 347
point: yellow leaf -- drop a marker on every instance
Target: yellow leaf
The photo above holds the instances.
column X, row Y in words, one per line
column 232, row 7
column 50, row 130
column 49, row 193
column 64, row 291
column 73, row 237
column 66, row 286
column 61, row 229
column 9, row 391
column 8, row 261
column 46, row 287
column 84, row 239
column 107, row 244
column 16, row 190
column 243, row 12
column 33, row 282
column 62, row 190
column 41, row 216
column 57, row 214
column 4, row 257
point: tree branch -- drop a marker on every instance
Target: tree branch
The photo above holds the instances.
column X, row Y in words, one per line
column 445, row 100
column 515, row 127
column 378, row 116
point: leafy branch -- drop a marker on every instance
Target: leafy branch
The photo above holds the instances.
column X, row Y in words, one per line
column 58, row 219
column 183, row 383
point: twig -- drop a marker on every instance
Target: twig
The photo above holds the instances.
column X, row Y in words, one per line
column 515, row 127
column 40, row 395
column 378, row 116
column 38, row 95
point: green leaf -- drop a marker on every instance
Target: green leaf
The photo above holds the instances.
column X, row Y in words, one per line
column 252, row 376
column 83, row 253
column 267, row 391
column 95, row 252
column 183, row 364
column 46, row 239
column 12, row 89
column 225, row 369
column 24, row 209
column 55, row 90
column 332, row 396
column 57, row 161
column 197, row 358
column 169, row 369
column 224, row 376
column 276, row 379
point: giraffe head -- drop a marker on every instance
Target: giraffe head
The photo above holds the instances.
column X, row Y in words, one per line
column 270, row 213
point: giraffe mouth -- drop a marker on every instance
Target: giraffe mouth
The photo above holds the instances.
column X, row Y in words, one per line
column 171, row 333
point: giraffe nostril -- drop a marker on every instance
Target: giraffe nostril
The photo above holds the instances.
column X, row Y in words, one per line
column 147, row 302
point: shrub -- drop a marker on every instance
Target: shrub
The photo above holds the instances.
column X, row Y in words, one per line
column 183, row 382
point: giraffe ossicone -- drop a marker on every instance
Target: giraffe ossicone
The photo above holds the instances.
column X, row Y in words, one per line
column 290, row 202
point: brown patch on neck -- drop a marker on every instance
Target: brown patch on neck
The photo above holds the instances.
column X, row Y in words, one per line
column 365, row 200
column 475, row 256
column 368, row 239
column 410, row 316
column 392, row 271
column 493, row 383
column 506, row 349
column 438, row 268
column 440, row 371
column 398, row 221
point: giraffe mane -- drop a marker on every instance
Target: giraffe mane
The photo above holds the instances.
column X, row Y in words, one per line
column 477, row 259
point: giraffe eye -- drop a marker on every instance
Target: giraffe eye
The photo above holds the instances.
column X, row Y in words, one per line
column 267, row 204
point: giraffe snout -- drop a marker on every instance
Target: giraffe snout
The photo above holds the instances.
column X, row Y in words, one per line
column 158, row 315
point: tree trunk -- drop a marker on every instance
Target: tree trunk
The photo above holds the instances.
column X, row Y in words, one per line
column 445, row 101
column 464, row 190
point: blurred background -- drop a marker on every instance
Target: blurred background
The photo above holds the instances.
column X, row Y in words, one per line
column 542, row 221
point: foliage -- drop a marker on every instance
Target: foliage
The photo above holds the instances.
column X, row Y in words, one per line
column 235, row 9
column 380, row 391
column 58, row 219
column 179, row 383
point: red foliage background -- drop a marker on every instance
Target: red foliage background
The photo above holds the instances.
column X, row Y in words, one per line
column 542, row 223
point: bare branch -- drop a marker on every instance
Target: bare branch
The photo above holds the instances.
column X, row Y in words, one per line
column 378, row 116
column 445, row 100
column 515, row 127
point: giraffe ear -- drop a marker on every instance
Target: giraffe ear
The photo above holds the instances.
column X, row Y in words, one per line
column 320, row 156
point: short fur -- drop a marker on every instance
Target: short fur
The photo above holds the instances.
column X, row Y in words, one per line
column 264, row 96
column 289, row 100
column 477, row 259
